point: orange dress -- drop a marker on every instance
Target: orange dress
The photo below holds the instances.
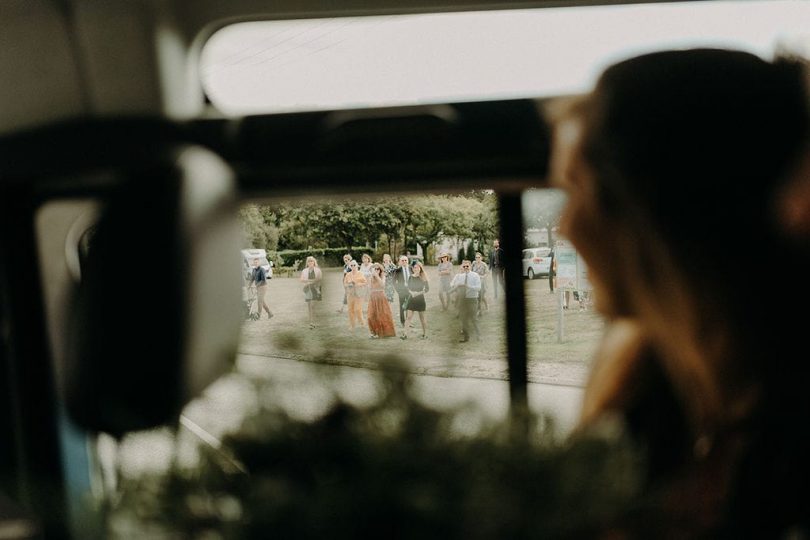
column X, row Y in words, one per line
column 355, row 283
column 380, row 319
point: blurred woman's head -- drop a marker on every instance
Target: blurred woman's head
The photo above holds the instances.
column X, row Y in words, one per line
column 672, row 167
column 696, row 143
column 311, row 261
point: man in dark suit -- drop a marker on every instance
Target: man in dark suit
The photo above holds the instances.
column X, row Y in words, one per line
column 401, row 276
column 496, row 266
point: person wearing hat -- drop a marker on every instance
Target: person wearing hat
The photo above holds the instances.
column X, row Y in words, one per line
column 445, row 275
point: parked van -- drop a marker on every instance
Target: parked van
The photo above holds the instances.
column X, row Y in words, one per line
column 247, row 262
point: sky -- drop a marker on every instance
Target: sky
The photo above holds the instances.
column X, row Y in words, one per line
column 263, row 67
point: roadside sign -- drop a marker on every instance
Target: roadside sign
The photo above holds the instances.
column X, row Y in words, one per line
column 572, row 272
column 572, row 275
column 566, row 257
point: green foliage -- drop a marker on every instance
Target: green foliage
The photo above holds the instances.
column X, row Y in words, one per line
column 326, row 257
column 394, row 468
column 258, row 228
column 393, row 223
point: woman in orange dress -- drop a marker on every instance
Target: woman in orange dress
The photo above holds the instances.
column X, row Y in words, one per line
column 355, row 284
column 380, row 319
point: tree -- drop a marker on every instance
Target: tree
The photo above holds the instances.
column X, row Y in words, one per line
column 542, row 208
column 258, row 231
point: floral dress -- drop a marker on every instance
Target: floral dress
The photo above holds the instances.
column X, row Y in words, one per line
column 445, row 275
column 389, row 269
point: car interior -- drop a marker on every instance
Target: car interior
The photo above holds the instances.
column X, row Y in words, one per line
column 131, row 134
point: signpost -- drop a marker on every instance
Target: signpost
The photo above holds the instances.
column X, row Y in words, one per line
column 572, row 275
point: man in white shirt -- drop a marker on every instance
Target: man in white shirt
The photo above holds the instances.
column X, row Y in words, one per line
column 468, row 285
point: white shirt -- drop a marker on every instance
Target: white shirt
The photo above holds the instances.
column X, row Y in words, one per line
column 471, row 280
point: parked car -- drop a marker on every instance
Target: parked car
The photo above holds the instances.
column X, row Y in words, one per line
column 536, row 262
column 247, row 262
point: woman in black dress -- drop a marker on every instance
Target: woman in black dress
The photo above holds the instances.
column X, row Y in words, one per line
column 418, row 286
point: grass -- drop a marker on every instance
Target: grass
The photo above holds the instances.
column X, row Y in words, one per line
column 288, row 334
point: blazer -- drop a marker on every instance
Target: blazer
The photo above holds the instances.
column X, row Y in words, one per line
column 399, row 279
column 492, row 258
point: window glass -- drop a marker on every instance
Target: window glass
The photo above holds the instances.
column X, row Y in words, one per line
column 344, row 308
column 562, row 328
column 260, row 67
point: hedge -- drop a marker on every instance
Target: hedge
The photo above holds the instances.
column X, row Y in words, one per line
column 327, row 257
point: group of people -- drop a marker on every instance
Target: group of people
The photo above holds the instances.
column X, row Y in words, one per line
column 370, row 288
column 674, row 165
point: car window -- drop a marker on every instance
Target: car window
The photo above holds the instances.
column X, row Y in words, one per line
column 260, row 67
column 297, row 334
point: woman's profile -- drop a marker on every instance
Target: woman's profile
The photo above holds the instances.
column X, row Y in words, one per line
column 673, row 166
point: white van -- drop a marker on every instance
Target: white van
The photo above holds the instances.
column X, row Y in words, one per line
column 247, row 262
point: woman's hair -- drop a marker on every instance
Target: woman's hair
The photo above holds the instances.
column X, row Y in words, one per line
column 313, row 259
column 698, row 144
column 422, row 274
column 365, row 256
column 378, row 266
column 689, row 151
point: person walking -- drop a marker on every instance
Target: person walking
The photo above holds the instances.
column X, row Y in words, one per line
column 366, row 268
column 481, row 268
column 311, row 276
column 401, row 276
column 467, row 285
column 417, row 286
column 389, row 267
column 380, row 319
column 496, row 265
column 355, row 284
column 552, row 271
column 347, row 258
column 258, row 279
column 445, row 269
